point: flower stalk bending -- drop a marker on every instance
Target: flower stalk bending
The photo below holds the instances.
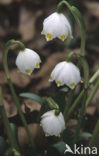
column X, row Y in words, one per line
column 78, row 17
column 5, row 53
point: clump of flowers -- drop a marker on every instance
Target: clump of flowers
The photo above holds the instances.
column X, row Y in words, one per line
column 55, row 114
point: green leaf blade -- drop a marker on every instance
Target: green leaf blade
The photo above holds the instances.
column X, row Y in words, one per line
column 32, row 96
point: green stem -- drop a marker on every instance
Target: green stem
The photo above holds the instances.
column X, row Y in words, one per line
column 74, row 105
column 9, row 131
column 94, row 77
column 86, row 85
column 96, row 87
column 52, row 103
column 85, row 67
column 81, row 117
column 94, row 142
column 70, row 55
column 59, row 6
column 76, row 102
column 5, row 53
column 68, row 103
column 78, row 17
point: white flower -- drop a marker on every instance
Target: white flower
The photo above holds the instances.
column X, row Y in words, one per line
column 56, row 25
column 27, row 60
column 66, row 73
column 52, row 123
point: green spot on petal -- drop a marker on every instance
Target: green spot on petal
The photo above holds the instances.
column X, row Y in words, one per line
column 72, row 85
column 28, row 71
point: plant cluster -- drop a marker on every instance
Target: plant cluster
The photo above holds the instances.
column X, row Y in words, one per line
column 66, row 74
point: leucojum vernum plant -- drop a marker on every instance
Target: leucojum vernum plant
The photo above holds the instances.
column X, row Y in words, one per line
column 55, row 112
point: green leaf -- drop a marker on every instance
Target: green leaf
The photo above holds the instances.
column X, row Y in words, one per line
column 32, row 96
column 85, row 135
column 57, row 149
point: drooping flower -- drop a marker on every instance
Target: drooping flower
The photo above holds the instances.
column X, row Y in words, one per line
column 27, row 61
column 52, row 123
column 66, row 73
column 56, row 25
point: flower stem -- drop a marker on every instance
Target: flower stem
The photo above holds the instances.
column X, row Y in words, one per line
column 85, row 67
column 96, row 87
column 74, row 105
column 68, row 103
column 94, row 77
column 78, row 17
column 70, row 55
column 5, row 53
column 81, row 117
column 76, row 102
column 84, row 102
column 60, row 5
column 9, row 131
column 52, row 103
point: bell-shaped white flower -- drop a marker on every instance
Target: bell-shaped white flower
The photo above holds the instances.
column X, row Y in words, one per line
column 56, row 25
column 66, row 73
column 27, row 61
column 52, row 123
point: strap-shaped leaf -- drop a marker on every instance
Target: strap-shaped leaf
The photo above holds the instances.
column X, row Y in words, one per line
column 57, row 149
column 85, row 135
column 32, row 96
